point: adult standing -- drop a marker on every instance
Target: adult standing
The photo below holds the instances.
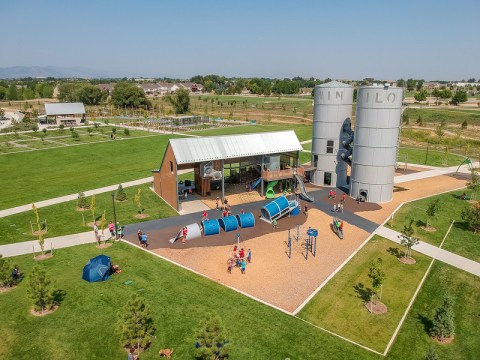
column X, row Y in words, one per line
column 95, row 230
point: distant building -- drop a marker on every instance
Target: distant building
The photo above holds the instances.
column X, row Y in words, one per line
column 429, row 85
column 68, row 114
column 162, row 88
column 107, row 87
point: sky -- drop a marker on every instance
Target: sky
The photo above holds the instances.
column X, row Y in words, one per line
column 389, row 39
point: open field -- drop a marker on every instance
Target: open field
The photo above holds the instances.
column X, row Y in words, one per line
column 460, row 240
column 64, row 219
column 343, row 298
column 433, row 158
column 85, row 325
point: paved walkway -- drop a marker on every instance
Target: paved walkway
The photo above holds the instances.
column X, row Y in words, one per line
column 27, row 247
column 435, row 252
column 432, row 173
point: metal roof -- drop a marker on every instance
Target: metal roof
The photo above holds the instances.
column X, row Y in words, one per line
column 209, row 148
column 64, row 108
column 334, row 84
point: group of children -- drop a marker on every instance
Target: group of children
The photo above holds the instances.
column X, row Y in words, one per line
column 239, row 259
column 337, row 207
column 142, row 239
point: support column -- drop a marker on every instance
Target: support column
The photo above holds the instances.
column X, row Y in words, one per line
column 223, row 181
column 261, row 172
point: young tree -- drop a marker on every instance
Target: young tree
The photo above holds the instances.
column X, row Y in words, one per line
column 405, row 118
column 135, row 323
column 120, row 194
column 41, row 241
column 377, row 275
column 474, row 183
column 432, row 210
column 471, row 216
column 419, row 121
column 407, row 239
column 6, row 278
column 82, row 202
column 93, row 207
column 90, row 130
column 126, row 131
column 459, row 96
column 443, row 326
column 40, row 290
column 431, row 354
column 464, row 124
column 138, row 200
column 211, row 339
column 421, row 95
column 180, row 101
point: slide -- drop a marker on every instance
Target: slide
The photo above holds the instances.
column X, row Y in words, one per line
column 270, row 194
column 256, row 183
column 303, row 193
column 346, row 144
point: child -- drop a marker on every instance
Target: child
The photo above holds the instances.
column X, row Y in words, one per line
column 330, row 194
column 144, row 240
column 229, row 265
column 242, row 211
column 334, row 207
column 274, row 223
column 111, row 227
column 242, row 253
column 305, row 210
column 344, row 196
column 340, row 207
column 244, row 265
column 249, row 256
column 205, row 215
column 216, row 203
column 139, row 234
column 184, row 234
column 334, row 194
column 235, row 250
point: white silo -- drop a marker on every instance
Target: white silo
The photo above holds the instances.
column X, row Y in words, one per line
column 332, row 111
column 377, row 129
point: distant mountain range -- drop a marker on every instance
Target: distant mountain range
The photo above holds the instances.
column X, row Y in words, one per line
column 16, row 72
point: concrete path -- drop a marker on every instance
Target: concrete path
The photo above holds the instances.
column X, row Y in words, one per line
column 27, row 247
column 435, row 252
column 464, row 169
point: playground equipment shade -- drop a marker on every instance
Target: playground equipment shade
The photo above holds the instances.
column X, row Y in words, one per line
column 228, row 223
column 193, row 232
column 211, row 227
column 246, row 220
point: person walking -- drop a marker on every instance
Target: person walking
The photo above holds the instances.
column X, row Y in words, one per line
column 249, row 256
column 144, row 240
column 274, row 223
column 344, row 197
column 95, row 230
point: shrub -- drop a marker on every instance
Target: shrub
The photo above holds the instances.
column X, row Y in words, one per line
column 82, row 202
column 464, row 124
column 120, row 194
column 442, row 324
column 6, row 278
column 126, row 132
column 75, row 136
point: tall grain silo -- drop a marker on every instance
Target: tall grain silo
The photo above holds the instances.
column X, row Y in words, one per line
column 332, row 111
column 377, row 129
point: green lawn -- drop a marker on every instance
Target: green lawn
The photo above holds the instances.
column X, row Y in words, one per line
column 84, row 325
column 64, row 219
column 460, row 240
column 342, row 300
column 413, row 340
column 434, row 158
column 436, row 116
column 38, row 175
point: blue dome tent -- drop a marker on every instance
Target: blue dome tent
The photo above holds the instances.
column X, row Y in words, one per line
column 97, row 269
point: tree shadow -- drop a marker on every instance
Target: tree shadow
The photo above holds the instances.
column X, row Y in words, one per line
column 59, row 296
column 395, row 252
column 427, row 323
column 362, row 292
column 462, row 225
column 420, row 223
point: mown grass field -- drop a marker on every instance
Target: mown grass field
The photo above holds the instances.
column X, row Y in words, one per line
column 460, row 240
column 433, row 158
column 64, row 219
column 342, row 300
column 84, row 327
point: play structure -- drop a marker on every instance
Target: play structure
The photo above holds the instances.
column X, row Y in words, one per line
column 270, row 194
column 303, row 192
column 310, row 242
column 213, row 226
column 278, row 208
column 97, row 269
column 246, row 220
column 228, row 223
column 193, row 232
column 336, row 227
column 256, row 183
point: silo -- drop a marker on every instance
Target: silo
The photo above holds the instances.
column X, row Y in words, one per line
column 377, row 129
column 332, row 110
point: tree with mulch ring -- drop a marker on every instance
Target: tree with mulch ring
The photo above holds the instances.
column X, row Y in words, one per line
column 431, row 211
column 407, row 240
column 377, row 275
column 135, row 324
column 103, row 222
column 41, row 292
column 7, row 279
column 138, row 202
column 120, row 194
column 40, row 232
column 443, row 326
column 82, row 203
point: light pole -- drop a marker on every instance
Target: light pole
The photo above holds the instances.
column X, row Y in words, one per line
column 114, row 217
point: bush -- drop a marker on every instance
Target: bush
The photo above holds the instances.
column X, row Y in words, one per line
column 75, row 136
column 464, row 124
column 82, row 202
column 442, row 324
column 126, row 132
column 120, row 194
column 6, row 278
column 114, row 129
